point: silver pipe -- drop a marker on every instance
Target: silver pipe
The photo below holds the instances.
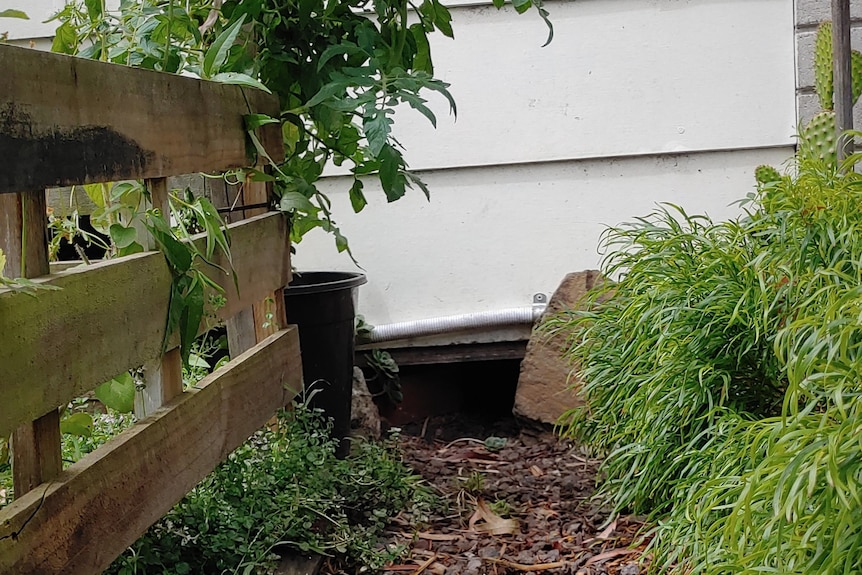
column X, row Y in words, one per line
column 526, row 315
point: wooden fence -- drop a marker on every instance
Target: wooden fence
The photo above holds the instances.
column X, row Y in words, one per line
column 66, row 121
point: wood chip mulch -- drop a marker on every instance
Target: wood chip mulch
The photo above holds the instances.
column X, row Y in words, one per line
column 522, row 506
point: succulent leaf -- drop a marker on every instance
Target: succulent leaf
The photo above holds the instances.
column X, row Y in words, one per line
column 765, row 174
column 823, row 82
column 817, row 141
column 856, row 73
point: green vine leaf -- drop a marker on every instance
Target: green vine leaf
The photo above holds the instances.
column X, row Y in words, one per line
column 377, row 127
column 357, row 198
column 79, row 424
column 216, row 55
column 240, row 80
column 122, row 236
column 392, row 176
column 94, row 9
column 118, row 393
column 178, row 255
column 291, row 201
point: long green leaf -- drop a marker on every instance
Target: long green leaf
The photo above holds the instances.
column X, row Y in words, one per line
column 216, row 55
column 14, row 14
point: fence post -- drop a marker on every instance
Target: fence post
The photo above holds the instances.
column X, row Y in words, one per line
column 268, row 316
column 36, row 454
column 843, row 77
column 163, row 377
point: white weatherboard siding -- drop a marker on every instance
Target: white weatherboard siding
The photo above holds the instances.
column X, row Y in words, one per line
column 35, row 27
column 553, row 144
column 621, row 77
column 635, row 102
column 491, row 237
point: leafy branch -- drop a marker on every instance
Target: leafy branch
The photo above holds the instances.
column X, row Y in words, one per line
column 20, row 284
column 190, row 285
column 340, row 70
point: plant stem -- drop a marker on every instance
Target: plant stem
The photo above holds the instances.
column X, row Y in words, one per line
column 168, row 38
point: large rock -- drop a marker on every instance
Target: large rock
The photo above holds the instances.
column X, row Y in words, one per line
column 543, row 392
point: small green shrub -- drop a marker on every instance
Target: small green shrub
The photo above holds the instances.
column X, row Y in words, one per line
column 722, row 378
column 283, row 488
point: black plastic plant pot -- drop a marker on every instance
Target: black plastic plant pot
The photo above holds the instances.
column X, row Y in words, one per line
column 323, row 305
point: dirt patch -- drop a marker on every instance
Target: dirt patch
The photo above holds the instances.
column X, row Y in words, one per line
column 517, row 501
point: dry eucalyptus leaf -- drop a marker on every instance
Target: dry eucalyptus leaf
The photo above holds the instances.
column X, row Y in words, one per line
column 486, row 521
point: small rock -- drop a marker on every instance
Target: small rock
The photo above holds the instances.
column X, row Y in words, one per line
column 490, row 552
column 630, row 569
column 364, row 416
column 299, row 565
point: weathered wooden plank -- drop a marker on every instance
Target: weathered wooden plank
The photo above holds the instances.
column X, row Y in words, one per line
column 134, row 479
column 260, row 249
column 163, row 381
column 24, row 234
column 110, row 317
column 36, row 452
column 63, row 121
column 842, row 73
column 105, row 319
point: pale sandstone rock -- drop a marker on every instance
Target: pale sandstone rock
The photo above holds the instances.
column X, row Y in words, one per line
column 543, row 393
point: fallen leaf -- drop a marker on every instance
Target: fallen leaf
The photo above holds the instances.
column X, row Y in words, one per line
column 492, row 523
column 604, row 535
column 424, row 566
column 606, row 532
column 536, row 471
column 608, row 555
column 437, row 536
column 468, row 454
column 545, row 512
column 527, row 568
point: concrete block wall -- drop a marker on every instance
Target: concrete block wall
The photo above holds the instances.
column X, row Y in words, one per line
column 809, row 15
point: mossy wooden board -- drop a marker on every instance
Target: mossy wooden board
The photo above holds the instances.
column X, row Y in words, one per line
column 111, row 316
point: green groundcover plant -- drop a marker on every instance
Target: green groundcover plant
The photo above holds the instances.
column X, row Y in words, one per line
column 722, row 377
column 284, row 489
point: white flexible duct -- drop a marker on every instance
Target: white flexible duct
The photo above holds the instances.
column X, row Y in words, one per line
column 526, row 315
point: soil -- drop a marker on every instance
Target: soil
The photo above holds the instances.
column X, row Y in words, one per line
column 519, row 501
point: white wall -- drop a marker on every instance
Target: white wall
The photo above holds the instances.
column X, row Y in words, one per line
column 493, row 236
column 35, row 27
column 621, row 77
column 635, row 102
